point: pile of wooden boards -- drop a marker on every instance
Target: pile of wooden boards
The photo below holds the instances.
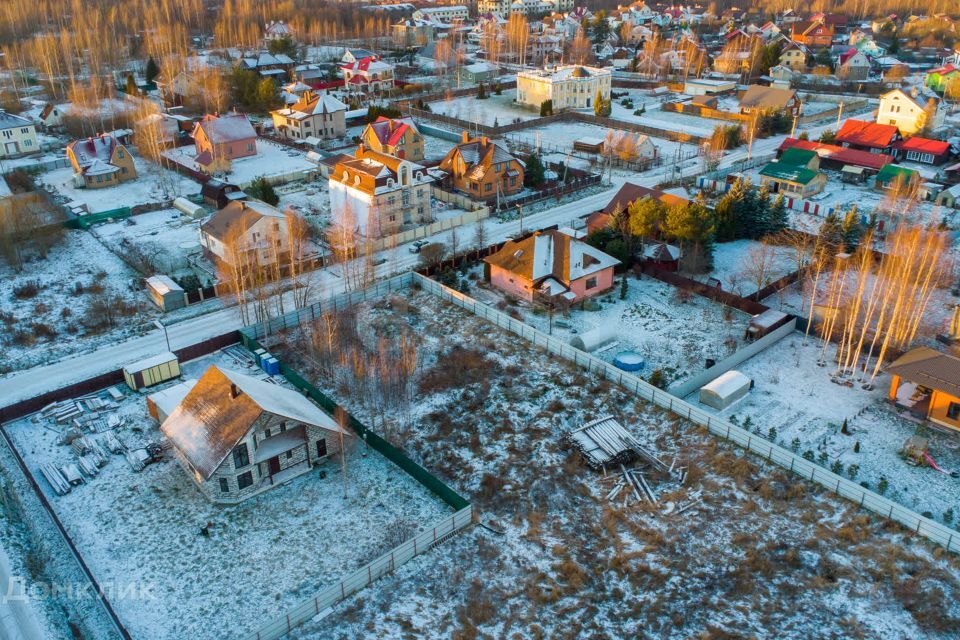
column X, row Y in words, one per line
column 605, row 442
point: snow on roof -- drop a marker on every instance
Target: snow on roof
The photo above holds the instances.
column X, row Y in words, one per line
column 480, row 67
column 222, row 408
column 728, row 384
column 565, row 73
column 100, row 168
column 162, row 284
column 11, row 121
column 153, row 361
column 166, row 400
column 551, row 254
column 86, row 151
column 228, row 128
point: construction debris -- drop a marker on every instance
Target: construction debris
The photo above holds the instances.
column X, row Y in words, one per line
column 55, row 479
column 605, row 442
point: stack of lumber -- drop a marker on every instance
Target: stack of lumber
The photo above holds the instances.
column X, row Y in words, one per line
column 112, row 443
column 56, row 480
column 605, row 442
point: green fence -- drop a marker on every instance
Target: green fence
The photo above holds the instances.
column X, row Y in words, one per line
column 87, row 221
column 380, row 445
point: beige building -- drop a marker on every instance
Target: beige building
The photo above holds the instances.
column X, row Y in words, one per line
column 315, row 115
column 569, row 87
column 396, row 137
column 17, row 135
column 374, row 194
column 101, row 162
column 247, row 227
column 907, row 113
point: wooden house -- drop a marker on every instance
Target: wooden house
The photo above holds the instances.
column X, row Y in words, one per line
column 238, row 436
column 483, row 169
column 926, row 382
column 101, row 162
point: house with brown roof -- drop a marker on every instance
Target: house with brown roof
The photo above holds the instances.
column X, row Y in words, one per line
column 626, row 196
column 868, row 136
column 794, row 56
column 101, row 161
column 397, row 137
column 483, row 169
column 815, row 33
column 237, row 436
column 759, row 99
column 374, row 194
column 552, row 267
column 314, row 115
column 926, row 382
column 219, row 140
column 247, row 232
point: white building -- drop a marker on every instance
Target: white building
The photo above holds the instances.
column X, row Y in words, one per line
column 17, row 135
column 569, row 87
column 313, row 116
column 907, row 113
column 443, row 14
column 504, row 8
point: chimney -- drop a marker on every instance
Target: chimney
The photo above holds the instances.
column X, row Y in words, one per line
column 234, row 391
column 465, row 136
column 485, row 140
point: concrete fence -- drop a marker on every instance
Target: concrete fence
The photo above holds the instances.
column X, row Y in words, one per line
column 869, row 500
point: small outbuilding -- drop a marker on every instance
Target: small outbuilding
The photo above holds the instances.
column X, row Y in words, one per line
column 595, row 338
column 166, row 293
column 726, row 389
column 162, row 403
column 151, row 371
column 763, row 323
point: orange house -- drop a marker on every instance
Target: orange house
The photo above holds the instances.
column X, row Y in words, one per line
column 482, row 169
column 926, row 382
column 399, row 138
column 813, row 34
column 551, row 266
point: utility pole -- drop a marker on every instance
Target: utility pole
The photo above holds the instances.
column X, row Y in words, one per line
column 839, row 115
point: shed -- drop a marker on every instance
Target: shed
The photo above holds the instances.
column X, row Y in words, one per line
column 166, row 293
column 763, row 323
column 595, row 338
column 162, row 403
column 589, row 144
column 725, row 389
column 850, row 173
column 151, row 371
column 218, row 193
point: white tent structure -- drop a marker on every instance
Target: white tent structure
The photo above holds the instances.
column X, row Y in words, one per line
column 725, row 389
column 595, row 338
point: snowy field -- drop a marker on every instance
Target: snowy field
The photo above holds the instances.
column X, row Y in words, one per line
column 742, row 264
column 563, row 135
column 796, row 397
column 672, row 332
column 262, row 556
column 153, row 184
column 271, row 160
column 487, row 418
column 494, row 110
column 166, row 236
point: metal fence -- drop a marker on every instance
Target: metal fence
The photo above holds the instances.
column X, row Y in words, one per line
column 388, row 562
column 933, row 531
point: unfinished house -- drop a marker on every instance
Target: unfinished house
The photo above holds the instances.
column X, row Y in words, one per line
column 926, row 383
column 238, row 436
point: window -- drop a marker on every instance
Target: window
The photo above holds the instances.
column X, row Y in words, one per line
column 283, row 427
column 244, row 480
column 488, row 187
column 953, row 411
column 306, row 125
column 250, row 147
column 289, row 454
column 321, row 448
column 224, row 486
column 241, row 457
column 120, row 154
column 591, row 283
column 513, row 182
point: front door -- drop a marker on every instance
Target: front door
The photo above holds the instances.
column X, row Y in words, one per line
column 273, row 465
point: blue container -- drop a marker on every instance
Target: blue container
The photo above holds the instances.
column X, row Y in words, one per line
column 258, row 356
column 272, row 366
column 629, row 361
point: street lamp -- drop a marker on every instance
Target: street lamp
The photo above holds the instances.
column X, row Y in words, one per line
column 160, row 325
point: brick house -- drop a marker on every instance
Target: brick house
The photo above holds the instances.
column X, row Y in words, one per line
column 238, row 436
column 313, row 115
column 101, row 161
column 219, row 140
column 551, row 266
column 396, row 137
column 812, row 34
column 482, row 169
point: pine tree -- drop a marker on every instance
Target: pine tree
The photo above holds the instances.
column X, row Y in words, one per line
column 152, row 70
column 263, row 190
column 851, row 229
column 481, row 92
column 777, row 219
column 831, row 232
column 623, row 287
column 546, row 108
column 726, row 214
column 534, row 173
column 761, row 225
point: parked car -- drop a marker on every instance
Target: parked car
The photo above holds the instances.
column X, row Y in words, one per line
column 417, row 245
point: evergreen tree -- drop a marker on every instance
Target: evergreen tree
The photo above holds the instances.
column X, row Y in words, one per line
column 534, row 173
column 831, row 232
column 693, row 226
column 599, row 27
column 481, row 92
column 726, row 212
column 546, row 108
column 646, row 218
column 497, row 89
column 777, row 219
column 601, row 107
column 851, row 229
column 828, row 137
column 263, row 190
column 266, row 95
column 152, row 70
column 761, row 225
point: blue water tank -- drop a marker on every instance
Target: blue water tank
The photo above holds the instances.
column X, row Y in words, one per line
column 629, row 361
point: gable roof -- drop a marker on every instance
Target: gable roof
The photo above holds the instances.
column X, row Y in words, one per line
column 245, row 213
column 228, row 128
column 210, row 421
column 923, row 145
column 798, row 156
column 12, row 121
column 629, row 193
column 946, row 69
column 551, row 254
column 893, row 93
column 90, row 150
column 311, row 104
column 892, row 172
column 835, row 153
column 867, row 134
column 391, row 131
column 929, row 367
column 789, row 172
column 478, row 154
column 759, row 96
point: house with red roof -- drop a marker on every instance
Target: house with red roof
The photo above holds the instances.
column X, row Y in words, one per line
column 853, row 65
column 868, row 136
column 101, row 161
column 834, row 157
column 367, row 76
column 925, row 150
column 397, row 137
column 815, row 33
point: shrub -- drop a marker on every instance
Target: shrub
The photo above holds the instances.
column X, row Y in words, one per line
column 27, row 290
column 883, row 485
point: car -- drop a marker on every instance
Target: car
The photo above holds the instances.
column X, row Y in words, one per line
column 418, row 245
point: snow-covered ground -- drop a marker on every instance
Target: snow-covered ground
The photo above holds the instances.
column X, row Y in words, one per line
column 673, row 333
column 271, row 160
column 496, row 109
column 435, row 148
column 153, row 184
column 262, row 556
column 740, row 265
column 167, row 235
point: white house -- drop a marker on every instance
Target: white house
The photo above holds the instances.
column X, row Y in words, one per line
column 374, row 194
column 17, row 135
column 249, row 227
column 908, row 113
column 443, row 14
column 569, row 87
column 313, row 115
column 367, row 75
column 238, row 436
